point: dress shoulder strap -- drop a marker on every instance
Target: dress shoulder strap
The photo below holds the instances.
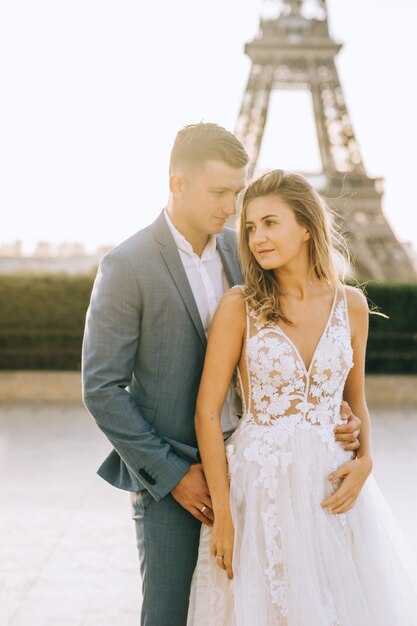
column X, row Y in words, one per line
column 246, row 401
column 253, row 325
column 346, row 307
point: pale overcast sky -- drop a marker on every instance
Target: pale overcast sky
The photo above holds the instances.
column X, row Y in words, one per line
column 93, row 92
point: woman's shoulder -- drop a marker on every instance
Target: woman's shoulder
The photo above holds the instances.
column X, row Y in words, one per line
column 356, row 299
column 233, row 302
column 357, row 306
column 231, row 311
column 234, row 297
column 237, row 289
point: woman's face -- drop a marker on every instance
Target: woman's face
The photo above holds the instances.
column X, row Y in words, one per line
column 275, row 238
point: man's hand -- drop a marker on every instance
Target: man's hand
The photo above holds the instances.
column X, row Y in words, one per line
column 193, row 494
column 348, row 433
column 351, row 478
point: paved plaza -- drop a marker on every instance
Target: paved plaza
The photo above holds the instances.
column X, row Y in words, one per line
column 67, row 544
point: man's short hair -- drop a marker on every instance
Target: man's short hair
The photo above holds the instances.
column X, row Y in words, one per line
column 197, row 143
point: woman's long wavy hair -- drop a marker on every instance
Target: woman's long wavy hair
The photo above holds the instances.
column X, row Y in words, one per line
column 262, row 288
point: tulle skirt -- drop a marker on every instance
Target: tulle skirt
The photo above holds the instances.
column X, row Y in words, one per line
column 294, row 563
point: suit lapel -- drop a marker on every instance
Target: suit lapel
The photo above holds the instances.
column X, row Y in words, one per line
column 228, row 254
column 175, row 267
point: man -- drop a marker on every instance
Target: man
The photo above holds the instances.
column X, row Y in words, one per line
column 151, row 307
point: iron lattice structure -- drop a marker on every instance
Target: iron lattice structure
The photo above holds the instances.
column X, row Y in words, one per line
column 294, row 50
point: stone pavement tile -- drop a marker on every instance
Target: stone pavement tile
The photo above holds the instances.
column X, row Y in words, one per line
column 92, row 560
column 395, row 465
column 68, row 551
column 50, row 610
column 67, row 543
column 112, row 613
column 10, row 600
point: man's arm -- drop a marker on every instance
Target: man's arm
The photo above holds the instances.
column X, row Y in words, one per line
column 109, row 349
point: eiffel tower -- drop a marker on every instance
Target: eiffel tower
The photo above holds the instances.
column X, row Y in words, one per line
column 294, row 50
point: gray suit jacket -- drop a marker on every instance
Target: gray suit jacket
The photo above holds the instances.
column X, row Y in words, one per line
column 143, row 354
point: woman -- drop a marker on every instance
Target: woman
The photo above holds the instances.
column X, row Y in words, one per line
column 296, row 541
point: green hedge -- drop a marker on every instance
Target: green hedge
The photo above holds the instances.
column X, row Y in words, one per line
column 392, row 344
column 42, row 321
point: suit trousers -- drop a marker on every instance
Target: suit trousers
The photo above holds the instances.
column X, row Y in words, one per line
column 167, row 539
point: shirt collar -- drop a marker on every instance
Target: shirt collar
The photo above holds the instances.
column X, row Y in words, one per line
column 183, row 245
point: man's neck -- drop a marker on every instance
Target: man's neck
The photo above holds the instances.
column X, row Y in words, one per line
column 198, row 241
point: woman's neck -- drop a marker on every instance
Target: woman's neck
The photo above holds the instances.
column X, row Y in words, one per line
column 299, row 285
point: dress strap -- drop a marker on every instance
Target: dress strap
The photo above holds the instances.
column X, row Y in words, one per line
column 344, row 290
column 246, row 406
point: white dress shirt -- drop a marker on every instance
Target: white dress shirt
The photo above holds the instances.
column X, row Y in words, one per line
column 208, row 282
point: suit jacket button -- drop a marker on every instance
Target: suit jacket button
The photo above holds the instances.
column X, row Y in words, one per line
column 147, row 476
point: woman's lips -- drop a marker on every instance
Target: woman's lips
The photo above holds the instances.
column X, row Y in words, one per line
column 264, row 252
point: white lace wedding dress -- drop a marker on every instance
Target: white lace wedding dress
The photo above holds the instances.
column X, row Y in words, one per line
column 294, row 563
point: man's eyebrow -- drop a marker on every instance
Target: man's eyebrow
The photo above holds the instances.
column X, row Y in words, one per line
column 226, row 189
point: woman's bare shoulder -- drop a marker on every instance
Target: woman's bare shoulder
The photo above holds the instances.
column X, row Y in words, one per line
column 358, row 309
column 232, row 304
column 235, row 294
column 356, row 300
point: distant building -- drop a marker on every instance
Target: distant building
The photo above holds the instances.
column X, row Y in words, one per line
column 65, row 258
column 13, row 249
column 70, row 250
column 43, row 250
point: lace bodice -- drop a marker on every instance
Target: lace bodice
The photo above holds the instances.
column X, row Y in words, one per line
column 278, row 383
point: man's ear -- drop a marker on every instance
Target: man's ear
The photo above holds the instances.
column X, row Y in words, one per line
column 176, row 184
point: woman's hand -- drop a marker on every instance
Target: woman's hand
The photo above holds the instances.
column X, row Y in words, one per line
column 222, row 541
column 352, row 476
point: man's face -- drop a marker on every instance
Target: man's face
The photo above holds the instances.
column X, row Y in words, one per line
column 207, row 197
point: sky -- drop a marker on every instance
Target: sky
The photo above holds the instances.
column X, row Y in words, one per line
column 94, row 91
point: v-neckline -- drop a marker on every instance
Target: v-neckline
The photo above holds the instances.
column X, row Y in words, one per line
column 296, row 350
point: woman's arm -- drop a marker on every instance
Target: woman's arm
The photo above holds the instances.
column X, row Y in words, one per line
column 355, row 473
column 224, row 349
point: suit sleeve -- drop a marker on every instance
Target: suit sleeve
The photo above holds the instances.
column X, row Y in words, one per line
column 110, row 343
